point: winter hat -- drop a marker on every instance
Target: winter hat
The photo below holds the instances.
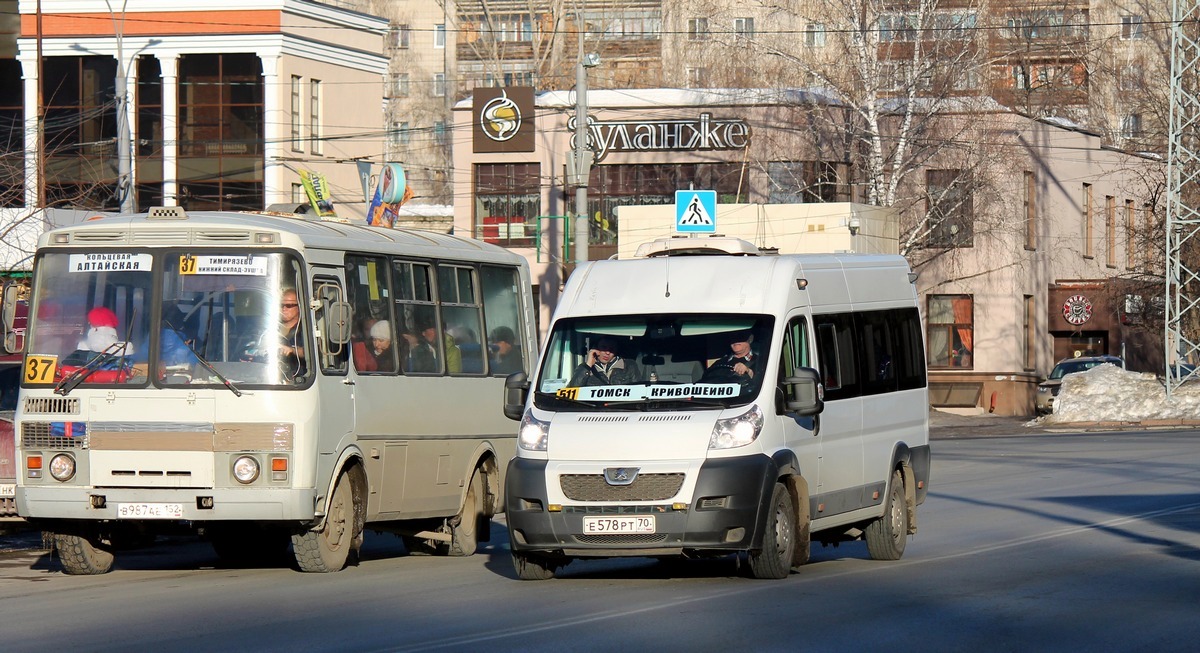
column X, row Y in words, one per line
column 102, row 317
column 381, row 330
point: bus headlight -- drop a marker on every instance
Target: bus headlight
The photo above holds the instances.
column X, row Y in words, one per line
column 737, row 431
column 533, row 434
column 62, row 467
column 245, row 469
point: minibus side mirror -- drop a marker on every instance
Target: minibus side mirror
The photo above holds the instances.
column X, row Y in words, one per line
column 337, row 323
column 516, row 391
column 805, row 392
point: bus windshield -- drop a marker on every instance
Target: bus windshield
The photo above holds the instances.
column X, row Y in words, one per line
column 226, row 317
column 649, row 362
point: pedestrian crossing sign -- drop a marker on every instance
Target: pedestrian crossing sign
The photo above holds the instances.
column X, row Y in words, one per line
column 696, row 211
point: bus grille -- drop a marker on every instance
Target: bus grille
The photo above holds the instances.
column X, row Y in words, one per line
column 645, row 538
column 646, row 487
column 52, row 405
column 36, row 435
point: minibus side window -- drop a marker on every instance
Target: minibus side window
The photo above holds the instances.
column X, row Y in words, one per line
column 908, row 357
column 370, row 302
column 795, row 352
column 462, row 323
column 836, row 355
column 416, row 319
column 876, row 354
column 502, row 319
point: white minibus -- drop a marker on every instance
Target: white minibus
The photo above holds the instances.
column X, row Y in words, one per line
column 707, row 398
column 267, row 380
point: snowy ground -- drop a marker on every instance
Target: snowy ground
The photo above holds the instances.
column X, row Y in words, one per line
column 1107, row 393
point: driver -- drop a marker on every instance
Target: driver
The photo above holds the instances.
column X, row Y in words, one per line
column 741, row 363
column 604, row 367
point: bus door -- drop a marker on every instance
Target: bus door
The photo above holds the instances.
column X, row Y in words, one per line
column 800, row 433
column 842, row 419
column 335, row 390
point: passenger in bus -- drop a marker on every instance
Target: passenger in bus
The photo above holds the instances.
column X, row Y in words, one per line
column 740, row 365
column 102, row 331
column 506, row 358
column 291, row 335
column 604, row 366
column 381, row 347
column 429, row 336
column 174, row 340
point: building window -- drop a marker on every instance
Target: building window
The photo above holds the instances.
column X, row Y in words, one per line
column 1031, row 224
column 400, row 133
column 439, row 84
column 951, row 331
column 439, row 132
column 12, row 133
column 1131, row 78
column 298, row 194
column 1110, row 228
column 519, row 78
column 1149, row 255
column 743, row 28
column 814, row 35
column 697, row 77
column 897, row 27
column 314, row 115
column 807, row 182
column 507, row 203
column 439, row 35
column 1131, row 27
column 1088, row 235
column 399, row 85
column 297, row 141
column 398, row 37
column 949, row 208
column 1030, row 333
column 1131, row 126
column 697, row 29
column 1020, row 77
column 1130, row 235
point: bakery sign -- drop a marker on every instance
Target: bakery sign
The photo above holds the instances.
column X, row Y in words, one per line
column 704, row 133
column 1077, row 309
column 503, row 119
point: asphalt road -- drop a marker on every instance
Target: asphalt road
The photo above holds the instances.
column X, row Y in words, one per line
column 1041, row 541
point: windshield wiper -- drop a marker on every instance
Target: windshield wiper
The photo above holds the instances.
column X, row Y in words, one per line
column 208, row 366
column 72, row 380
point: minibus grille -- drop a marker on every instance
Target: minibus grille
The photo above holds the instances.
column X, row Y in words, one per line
column 664, row 418
column 51, row 405
column 648, row 538
column 646, row 487
column 37, row 435
column 99, row 236
column 161, row 237
column 603, row 418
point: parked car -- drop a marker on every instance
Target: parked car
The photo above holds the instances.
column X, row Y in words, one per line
column 1048, row 389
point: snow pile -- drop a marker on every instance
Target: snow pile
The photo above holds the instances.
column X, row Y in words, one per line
column 1107, row 393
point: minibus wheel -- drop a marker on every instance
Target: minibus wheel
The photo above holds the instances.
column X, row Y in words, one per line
column 530, row 566
column 886, row 536
column 775, row 558
column 464, row 532
column 83, row 553
column 328, row 549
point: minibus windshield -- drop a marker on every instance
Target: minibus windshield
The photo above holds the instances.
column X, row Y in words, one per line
column 654, row 362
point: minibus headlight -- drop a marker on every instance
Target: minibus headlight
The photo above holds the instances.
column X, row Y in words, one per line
column 737, row 431
column 245, row 469
column 62, row 467
column 533, row 434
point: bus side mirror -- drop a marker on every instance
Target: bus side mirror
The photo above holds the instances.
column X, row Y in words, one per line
column 516, row 391
column 338, row 323
column 14, row 321
column 804, row 392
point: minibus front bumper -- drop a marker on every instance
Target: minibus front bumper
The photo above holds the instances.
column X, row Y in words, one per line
column 725, row 514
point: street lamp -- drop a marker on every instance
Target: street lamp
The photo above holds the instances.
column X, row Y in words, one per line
column 583, row 163
column 124, row 139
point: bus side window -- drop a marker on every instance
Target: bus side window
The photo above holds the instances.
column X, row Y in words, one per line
column 503, row 317
column 333, row 355
column 461, row 319
column 838, row 355
column 795, row 352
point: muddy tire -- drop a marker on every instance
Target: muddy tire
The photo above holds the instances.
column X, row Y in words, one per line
column 83, row 554
column 533, row 567
column 465, row 526
column 774, row 560
column 887, row 535
column 328, row 549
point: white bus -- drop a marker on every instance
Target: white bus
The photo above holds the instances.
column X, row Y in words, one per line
column 707, row 400
column 263, row 379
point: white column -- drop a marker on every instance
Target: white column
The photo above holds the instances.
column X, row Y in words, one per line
column 274, row 187
column 29, row 70
column 169, row 65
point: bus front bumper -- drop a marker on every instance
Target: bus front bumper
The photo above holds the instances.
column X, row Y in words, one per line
column 725, row 515
column 141, row 504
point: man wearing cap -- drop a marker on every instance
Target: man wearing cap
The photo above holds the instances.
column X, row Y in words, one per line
column 741, row 364
column 506, row 359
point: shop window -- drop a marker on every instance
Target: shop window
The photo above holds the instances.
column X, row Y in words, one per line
column 807, row 182
column 507, row 203
column 951, row 331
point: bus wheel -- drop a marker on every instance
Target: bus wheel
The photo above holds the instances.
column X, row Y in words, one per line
column 83, row 553
column 328, row 549
column 885, row 536
column 464, row 533
column 774, row 560
column 532, row 567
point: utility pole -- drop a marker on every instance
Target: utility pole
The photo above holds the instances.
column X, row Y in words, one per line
column 583, row 162
column 41, row 121
column 124, row 141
